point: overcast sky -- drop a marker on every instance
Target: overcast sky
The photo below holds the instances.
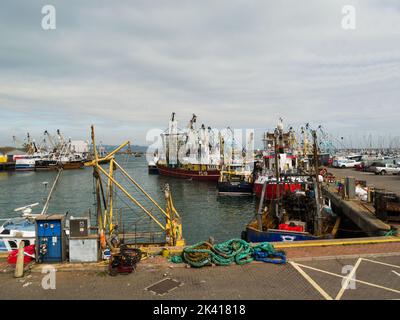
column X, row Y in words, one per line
column 126, row 65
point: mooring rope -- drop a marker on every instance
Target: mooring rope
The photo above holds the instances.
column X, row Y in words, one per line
column 232, row 251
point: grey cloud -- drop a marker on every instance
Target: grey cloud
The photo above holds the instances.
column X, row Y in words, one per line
column 129, row 64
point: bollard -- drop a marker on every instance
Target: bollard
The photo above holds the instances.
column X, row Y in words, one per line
column 350, row 187
column 165, row 253
column 371, row 190
column 343, row 190
column 19, row 267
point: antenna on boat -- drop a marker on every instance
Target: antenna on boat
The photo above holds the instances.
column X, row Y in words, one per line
column 26, row 210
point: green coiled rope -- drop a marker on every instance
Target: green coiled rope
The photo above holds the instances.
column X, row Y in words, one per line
column 223, row 254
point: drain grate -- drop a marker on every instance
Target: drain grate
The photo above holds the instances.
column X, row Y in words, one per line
column 164, row 286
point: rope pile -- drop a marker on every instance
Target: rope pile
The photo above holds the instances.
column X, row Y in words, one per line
column 223, row 254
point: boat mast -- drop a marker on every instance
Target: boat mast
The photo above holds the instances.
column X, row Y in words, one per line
column 260, row 207
column 318, row 221
column 277, row 173
column 222, row 150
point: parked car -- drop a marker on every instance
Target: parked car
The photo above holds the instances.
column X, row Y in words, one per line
column 385, row 168
column 346, row 163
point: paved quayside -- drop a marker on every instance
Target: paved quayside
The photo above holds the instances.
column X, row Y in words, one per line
column 313, row 272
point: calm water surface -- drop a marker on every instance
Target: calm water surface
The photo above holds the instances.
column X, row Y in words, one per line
column 203, row 213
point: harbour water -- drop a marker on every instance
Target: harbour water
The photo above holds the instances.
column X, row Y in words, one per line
column 204, row 213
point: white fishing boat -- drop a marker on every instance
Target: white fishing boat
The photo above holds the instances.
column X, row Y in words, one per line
column 15, row 230
column 25, row 163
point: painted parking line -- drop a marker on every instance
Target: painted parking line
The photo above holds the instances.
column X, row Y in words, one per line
column 311, row 281
column 299, row 267
column 383, row 263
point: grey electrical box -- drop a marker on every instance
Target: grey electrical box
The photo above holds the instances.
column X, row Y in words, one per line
column 78, row 227
column 84, row 249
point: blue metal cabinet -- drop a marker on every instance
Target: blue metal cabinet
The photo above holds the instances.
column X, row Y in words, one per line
column 50, row 238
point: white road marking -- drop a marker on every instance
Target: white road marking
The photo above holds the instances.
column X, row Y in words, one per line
column 340, row 276
column 348, row 279
column 311, row 281
column 385, row 264
column 396, row 273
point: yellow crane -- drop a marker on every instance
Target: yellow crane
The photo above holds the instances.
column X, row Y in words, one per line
column 172, row 225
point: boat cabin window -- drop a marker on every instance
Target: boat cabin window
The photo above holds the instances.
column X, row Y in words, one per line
column 13, row 244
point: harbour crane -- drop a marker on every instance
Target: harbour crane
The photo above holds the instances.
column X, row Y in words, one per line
column 105, row 202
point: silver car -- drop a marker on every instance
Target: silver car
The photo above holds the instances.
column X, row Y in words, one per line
column 386, row 169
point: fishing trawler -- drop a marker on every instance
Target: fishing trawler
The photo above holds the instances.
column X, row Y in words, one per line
column 60, row 154
column 235, row 180
column 236, row 176
column 71, row 162
column 296, row 217
column 187, row 153
column 301, row 214
column 27, row 162
column 281, row 156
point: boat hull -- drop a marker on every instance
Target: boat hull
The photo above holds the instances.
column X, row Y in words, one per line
column 9, row 243
column 207, row 175
column 45, row 165
column 14, row 231
column 228, row 188
column 25, row 165
column 72, row 165
column 153, row 170
column 274, row 235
